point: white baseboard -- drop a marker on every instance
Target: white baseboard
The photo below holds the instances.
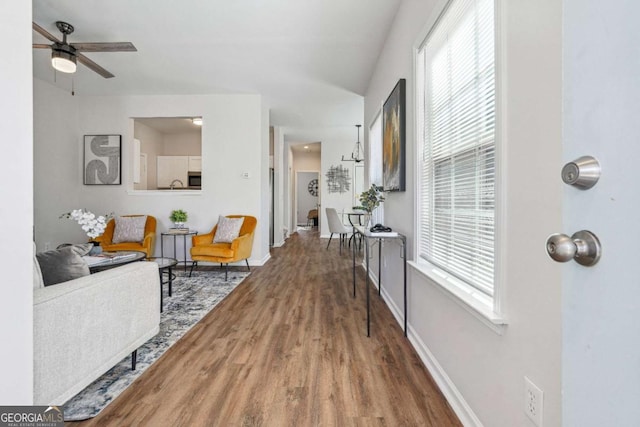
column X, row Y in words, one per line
column 463, row 411
column 260, row 262
column 252, row 262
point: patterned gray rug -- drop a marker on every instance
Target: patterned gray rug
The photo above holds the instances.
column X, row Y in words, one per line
column 192, row 299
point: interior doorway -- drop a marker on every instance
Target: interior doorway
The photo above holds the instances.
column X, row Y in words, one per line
column 307, row 197
column 303, row 157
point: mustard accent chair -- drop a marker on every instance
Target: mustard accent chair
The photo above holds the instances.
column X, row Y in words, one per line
column 147, row 246
column 203, row 249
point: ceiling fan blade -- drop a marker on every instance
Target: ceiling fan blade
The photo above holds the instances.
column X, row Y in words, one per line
column 105, row 47
column 41, row 46
column 93, row 66
column 44, row 32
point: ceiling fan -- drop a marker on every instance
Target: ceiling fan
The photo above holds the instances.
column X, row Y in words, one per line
column 64, row 55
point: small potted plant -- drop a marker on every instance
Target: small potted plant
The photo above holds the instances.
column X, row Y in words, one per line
column 178, row 217
column 370, row 200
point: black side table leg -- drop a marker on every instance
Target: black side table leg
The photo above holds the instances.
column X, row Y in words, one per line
column 379, row 266
column 160, row 272
column 184, row 251
column 366, row 252
column 354, row 266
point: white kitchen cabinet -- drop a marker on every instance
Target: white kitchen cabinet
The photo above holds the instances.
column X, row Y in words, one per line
column 171, row 168
column 195, row 163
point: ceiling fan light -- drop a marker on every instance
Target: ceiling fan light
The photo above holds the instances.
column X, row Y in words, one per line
column 62, row 61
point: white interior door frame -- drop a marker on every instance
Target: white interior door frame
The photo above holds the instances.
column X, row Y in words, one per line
column 302, row 186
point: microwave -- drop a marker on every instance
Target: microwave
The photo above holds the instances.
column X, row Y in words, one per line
column 195, row 179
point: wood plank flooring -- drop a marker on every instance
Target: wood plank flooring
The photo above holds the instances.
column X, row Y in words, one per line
column 288, row 348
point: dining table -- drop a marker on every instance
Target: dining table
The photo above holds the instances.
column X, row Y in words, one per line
column 355, row 218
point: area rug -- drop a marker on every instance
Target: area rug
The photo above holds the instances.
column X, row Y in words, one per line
column 192, row 299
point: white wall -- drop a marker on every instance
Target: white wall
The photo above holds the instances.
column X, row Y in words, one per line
column 16, row 210
column 303, row 161
column 232, row 139
column 182, row 144
column 480, row 371
column 57, row 160
column 262, row 153
column 279, row 189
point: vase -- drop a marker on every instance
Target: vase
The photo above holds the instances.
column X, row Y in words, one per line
column 367, row 221
column 96, row 249
column 178, row 224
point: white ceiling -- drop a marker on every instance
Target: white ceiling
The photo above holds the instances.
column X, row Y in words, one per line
column 313, row 147
column 310, row 59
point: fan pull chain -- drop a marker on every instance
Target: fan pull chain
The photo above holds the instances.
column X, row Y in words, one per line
column 73, row 90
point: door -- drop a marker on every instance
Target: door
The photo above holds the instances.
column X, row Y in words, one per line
column 601, row 304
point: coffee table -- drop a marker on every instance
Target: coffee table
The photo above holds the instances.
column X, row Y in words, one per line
column 164, row 266
column 115, row 259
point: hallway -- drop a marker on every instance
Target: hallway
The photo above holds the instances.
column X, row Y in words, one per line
column 288, row 347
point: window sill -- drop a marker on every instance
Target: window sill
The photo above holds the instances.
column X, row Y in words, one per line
column 476, row 303
column 164, row 192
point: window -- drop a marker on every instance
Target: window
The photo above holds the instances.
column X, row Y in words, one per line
column 456, row 142
column 375, row 163
column 168, row 156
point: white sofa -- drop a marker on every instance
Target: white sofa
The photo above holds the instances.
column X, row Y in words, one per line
column 84, row 327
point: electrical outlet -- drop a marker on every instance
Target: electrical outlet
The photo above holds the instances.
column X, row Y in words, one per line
column 533, row 402
column 47, row 246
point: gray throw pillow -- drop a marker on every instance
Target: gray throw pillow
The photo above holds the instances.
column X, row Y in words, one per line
column 129, row 229
column 228, row 229
column 63, row 264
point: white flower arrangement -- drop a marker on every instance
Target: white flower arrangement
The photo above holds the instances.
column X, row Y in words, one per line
column 93, row 225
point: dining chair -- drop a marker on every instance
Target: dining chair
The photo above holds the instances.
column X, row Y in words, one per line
column 336, row 226
column 312, row 218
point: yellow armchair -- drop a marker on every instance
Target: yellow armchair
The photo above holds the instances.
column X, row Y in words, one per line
column 147, row 245
column 203, row 249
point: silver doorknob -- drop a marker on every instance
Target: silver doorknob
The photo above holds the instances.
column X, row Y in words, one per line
column 583, row 246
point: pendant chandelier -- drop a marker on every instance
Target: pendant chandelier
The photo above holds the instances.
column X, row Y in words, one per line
column 357, row 155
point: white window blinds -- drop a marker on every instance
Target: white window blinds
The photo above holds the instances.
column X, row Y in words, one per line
column 456, row 138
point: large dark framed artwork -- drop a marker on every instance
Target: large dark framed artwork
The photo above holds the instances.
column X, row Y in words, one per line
column 393, row 139
column 102, row 159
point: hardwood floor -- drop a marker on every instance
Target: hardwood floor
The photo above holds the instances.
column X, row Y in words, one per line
column 288, row 348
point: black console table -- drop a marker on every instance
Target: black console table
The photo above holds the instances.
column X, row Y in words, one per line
column 379, row 238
